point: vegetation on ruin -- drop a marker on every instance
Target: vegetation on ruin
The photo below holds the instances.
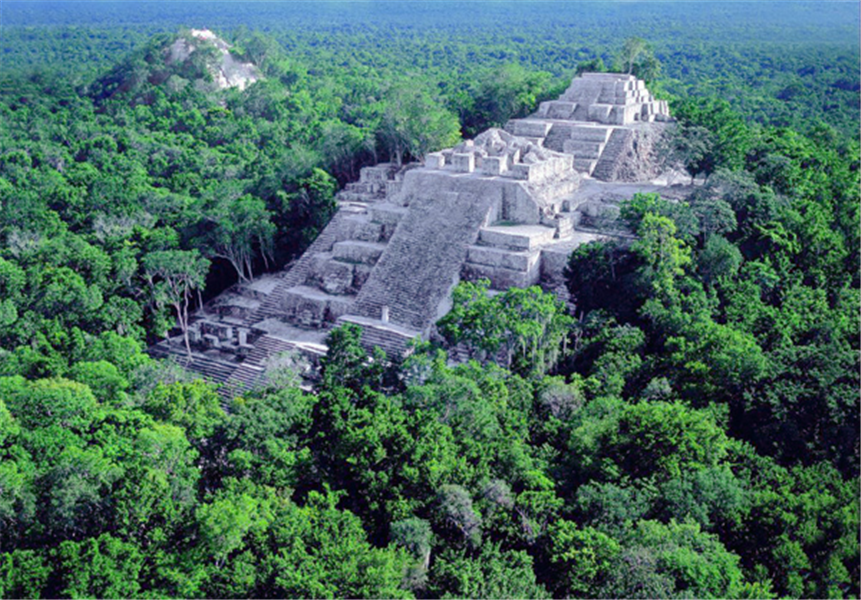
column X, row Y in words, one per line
column 691, row 430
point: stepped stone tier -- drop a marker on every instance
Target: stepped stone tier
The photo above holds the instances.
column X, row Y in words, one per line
column 608, row 122
column 508, row 206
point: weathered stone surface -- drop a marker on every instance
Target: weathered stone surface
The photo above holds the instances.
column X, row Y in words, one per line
column 497, row 257
column 501, row 278
column 357, row 252
column 520, row 237
column 423, row 260
column 360, row 275
column 606, row 122
column 313, row 308
column 508, row 206
column 335, row 277
column 361, row 228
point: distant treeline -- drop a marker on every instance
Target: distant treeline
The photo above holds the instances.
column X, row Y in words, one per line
column 778, row 63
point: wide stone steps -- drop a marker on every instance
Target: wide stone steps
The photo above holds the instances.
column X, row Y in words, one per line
column 243, row 379
column 213, row 370
column 392, row 339
column 400, row 312
column 558, row 135
column 264, row 347
column 604, row 167
column 335, row 231
column 580, row 141
column 272, row 304
column 423, row 259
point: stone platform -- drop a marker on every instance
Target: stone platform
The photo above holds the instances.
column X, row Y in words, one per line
column 508, row 206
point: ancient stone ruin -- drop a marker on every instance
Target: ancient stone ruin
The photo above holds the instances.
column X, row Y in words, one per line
column 508, row 206
column 227, row 71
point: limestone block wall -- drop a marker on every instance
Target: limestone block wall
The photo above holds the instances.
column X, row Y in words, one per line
column 511, row 199
column 610, row 98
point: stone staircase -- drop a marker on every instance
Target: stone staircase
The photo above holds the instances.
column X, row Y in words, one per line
column 371, row 187
column 391, row 338
column 585, row 121
column 615, row 144
column 322, row 285
column 423, row 260
column 252, row 369
column 533, row 130
column 213, row 370
column 243, row 379
column 402, row 238
column 585, row 142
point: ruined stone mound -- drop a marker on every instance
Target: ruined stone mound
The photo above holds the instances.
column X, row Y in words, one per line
column 226, row 70
column 497, row 142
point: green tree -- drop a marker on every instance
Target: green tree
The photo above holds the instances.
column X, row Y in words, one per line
column 509, row 91
column 527, row 328
column 322, row 552
column 240, row 227
column 490, row 573
column 636, row 57
column 172, row 276
column 103, row 567
column 413, row 122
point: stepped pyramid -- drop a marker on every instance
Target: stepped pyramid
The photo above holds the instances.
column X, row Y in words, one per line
column 508, row 206
column 601, row 120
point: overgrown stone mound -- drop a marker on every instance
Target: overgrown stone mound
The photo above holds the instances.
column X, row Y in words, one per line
column 196, row 57
column 226, row 70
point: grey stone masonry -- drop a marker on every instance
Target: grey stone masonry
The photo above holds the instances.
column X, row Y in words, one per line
column 423, row 260
column 391, row 338
column 610, row 98
column 508, row 206
column 597, row 115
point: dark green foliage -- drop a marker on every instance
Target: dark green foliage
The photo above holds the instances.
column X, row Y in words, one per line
column 526, row 329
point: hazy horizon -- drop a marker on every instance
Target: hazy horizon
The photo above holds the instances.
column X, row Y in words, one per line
column 831, row 22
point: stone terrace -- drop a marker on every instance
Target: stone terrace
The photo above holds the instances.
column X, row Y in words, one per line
column 508, row 206
column 598, row 118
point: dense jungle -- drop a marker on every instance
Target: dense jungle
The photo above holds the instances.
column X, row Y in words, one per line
column 689, row 430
